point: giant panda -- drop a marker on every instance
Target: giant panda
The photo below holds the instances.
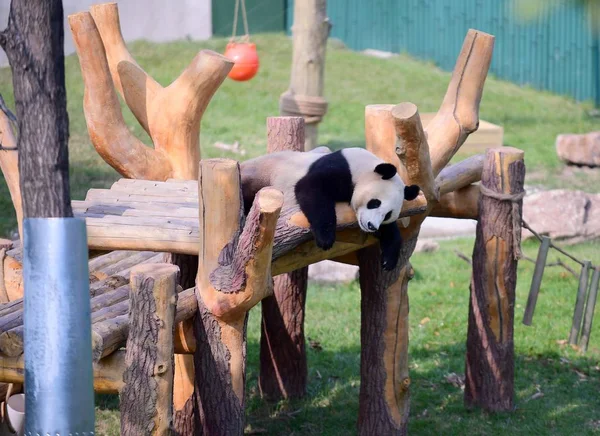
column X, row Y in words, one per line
column 318, row 179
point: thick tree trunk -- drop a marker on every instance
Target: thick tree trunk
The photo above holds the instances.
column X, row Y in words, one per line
column 283, row 369
column 384, row 387
column 220, row 410
column 33, row 42
column 149, row 361
column 490, row 347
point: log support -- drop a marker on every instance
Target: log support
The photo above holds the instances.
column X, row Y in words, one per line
column 149, row 365
column 234, row 274
column 283, row 368
column 396, row 135
column 490, row 346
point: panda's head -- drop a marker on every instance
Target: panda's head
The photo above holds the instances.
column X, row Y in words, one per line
column 378, row 197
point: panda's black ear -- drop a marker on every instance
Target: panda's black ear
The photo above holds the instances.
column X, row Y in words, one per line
column 386, row 170
column 411, row 192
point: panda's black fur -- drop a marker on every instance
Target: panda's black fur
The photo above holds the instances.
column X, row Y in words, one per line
column 328, row 181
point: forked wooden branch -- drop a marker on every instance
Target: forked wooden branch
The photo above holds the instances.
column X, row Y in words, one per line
column 458, row 115
column 106, row 126
column 105, row 61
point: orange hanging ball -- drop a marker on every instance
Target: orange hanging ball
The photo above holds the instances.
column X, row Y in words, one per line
column 246, row 60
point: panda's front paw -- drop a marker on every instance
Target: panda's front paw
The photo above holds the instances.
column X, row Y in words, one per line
column 389, row 258
column 389, row 264
column 324, row 238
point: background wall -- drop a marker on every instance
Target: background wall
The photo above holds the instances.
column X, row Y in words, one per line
column 554, row 53
column 154, row 20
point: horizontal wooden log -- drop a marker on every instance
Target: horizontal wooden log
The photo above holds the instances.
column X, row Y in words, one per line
column 115, row 196
column 134, row 209
column 111, row 334
column 123, row 264
column 463, row 203
column 459, row 175
column 108, row 372
column 292, row 230
column 100, row 262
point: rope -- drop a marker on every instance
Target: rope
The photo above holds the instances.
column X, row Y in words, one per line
column 516, row 215
column 312, row 108
column 246, row 37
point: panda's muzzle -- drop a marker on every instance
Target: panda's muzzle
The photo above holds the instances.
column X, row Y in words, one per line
column 371, row 227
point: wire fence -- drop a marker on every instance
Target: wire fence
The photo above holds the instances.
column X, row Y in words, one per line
column 587, row 292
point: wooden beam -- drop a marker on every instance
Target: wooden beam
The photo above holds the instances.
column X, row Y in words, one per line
column 108, row 373
column 9, row 165
column 459, row 175
column 462, row 203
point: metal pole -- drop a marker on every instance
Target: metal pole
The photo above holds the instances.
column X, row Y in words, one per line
column 589, row 310
column 580, row 302
column 59, row 395
column 536, row 281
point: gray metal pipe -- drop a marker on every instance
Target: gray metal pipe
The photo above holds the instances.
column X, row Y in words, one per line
column 59, row 394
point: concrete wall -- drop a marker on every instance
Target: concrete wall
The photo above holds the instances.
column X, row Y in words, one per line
column 154, row 20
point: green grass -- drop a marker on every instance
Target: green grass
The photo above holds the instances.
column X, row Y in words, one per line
column 531, row 119
column 568, row 379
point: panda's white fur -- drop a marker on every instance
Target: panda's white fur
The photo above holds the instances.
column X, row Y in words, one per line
column 316, row 180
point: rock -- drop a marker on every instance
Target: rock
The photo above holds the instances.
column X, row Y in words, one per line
column 570, row 216
column 329, row 271
column 579, row 149
column 426, row 246
column 445, row 228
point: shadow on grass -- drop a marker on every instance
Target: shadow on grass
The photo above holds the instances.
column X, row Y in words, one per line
column 553, row 396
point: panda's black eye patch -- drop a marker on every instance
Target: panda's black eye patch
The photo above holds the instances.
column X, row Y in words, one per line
column 373, row 204
column 388, row 215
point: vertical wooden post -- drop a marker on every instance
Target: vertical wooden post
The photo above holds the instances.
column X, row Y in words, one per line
column 589, row 310
column 584, row 278
column 283, row 370
column 490, row 346
column 536, row 281
column 220, row 346
column 384, row 388
column 234, row 274
column 147, row 397
column 305, row 94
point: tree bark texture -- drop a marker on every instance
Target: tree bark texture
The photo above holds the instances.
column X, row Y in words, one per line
column 219, row 410
column 283, row 368
column 490, row 347
column 384, row 389
column 147, row 396
column 33, row 42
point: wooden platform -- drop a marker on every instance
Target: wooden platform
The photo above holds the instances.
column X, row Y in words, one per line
column 487, row 136
column 144, row 215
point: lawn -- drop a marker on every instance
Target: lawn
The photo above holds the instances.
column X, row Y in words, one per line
column 531, row 119
column 568, row 380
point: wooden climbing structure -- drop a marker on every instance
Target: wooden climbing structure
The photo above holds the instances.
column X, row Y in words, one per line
column 174, row 207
